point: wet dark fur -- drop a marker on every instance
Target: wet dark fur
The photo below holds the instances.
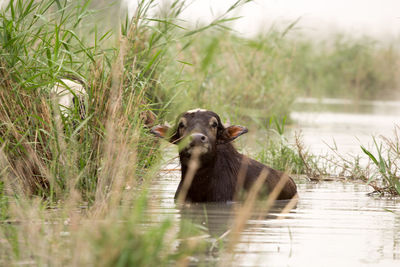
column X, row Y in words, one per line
column 217, row 180
column 217, row 177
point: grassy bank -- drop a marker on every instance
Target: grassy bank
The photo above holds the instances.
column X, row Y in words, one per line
column 261, row 77
column 346, row 67
column 73, row 189
column 238, row 78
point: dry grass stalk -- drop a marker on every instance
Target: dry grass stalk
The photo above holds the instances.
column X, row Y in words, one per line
column 193, row 165
column 310, row 172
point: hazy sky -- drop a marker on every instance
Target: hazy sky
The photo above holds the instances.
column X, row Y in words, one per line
column 373, row 17
column 379, row 18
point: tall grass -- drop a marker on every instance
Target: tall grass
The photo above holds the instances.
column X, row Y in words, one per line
column 236, row 77
column 346, row 67
column 261, row 77
column 67, row 160
column 40, row 45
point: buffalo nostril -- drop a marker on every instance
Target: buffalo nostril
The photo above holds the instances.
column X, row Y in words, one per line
column 198, row 139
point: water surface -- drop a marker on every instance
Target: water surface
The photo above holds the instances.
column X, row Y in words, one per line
column 333, row 223
column 343, row 124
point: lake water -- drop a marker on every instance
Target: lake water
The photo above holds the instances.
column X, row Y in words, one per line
column 333, row 223
column 343, row 122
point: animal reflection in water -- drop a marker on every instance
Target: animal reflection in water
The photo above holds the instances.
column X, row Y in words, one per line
column 216, row 219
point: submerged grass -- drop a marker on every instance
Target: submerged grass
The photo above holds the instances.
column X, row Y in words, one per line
column 292, row 157
column 380, row 169
column 278, row 153
column 386, row 175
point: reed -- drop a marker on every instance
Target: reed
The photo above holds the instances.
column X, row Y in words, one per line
column 277, row 152
column 385, row 177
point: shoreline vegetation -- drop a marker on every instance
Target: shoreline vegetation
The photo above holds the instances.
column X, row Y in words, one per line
column 66, row 180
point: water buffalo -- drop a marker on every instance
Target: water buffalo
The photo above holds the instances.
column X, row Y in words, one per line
column 212, row 169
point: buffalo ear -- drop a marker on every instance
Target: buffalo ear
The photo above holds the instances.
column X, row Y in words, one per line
column 231, row 133
column 165, row 132
column 160, row 130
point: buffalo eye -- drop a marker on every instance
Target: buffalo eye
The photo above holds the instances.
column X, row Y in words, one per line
column 214, row 124
column 181, row 125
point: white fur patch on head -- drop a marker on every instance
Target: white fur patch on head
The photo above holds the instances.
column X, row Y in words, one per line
column 196, row 110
